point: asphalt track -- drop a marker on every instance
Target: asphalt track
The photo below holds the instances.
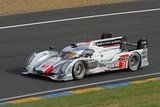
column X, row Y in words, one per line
column 17, row 44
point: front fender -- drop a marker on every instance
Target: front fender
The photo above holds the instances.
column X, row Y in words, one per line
column 37, row 59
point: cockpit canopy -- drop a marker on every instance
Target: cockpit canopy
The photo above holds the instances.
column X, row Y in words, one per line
column 68, row 55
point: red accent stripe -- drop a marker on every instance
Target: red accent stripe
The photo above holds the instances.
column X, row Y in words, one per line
column 125, row 55
column 49, row 70
column 87, row 42
column 107, row 46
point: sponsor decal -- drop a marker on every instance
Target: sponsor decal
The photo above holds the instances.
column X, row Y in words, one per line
column 144, row 42
column 144, row 54
column 104, row 60
column 44, row 66
column 102, row 65
column 92, row 63
column 107, row 43
column 115, row 67
column 112, row 65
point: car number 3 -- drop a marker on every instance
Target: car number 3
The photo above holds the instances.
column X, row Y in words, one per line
column 122, row 64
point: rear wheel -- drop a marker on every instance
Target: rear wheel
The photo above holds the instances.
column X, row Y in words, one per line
column 79, row 70
column 134, row 61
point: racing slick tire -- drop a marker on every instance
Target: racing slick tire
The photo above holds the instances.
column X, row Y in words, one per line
column 134, row 61
column 79, row 70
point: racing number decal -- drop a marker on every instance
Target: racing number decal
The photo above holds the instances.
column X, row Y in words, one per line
column 122, row 64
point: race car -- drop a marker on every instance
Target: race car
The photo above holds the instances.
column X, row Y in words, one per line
column 90, row 57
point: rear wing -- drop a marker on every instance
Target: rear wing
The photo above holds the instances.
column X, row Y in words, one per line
column 141, row 44
column 109, row 41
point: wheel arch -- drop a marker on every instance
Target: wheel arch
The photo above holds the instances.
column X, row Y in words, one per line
column 85, row 66
column 84, row 62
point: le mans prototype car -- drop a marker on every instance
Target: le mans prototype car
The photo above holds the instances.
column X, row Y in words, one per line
column 84, row 58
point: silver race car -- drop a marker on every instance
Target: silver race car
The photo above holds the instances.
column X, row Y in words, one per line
column 84, row 58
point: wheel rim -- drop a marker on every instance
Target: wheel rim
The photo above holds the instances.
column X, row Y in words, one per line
column 134, row 62
column 79, row 71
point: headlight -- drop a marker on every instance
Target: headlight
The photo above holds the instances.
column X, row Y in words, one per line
column 30, row 58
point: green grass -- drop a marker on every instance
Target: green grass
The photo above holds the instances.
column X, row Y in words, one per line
column 139, row 95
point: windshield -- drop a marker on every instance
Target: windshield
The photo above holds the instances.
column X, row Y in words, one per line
column 68, row 55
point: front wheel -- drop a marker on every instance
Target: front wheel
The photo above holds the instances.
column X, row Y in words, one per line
column 134, row 61
column 79, row 70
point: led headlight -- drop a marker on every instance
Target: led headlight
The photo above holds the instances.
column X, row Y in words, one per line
column 30, row 58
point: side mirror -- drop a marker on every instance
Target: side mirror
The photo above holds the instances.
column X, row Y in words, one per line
column 74, row 45
column 88, row 53
column 51, row 48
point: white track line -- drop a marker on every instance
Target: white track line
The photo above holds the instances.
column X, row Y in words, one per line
column 78, row 86
column 78, row 18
